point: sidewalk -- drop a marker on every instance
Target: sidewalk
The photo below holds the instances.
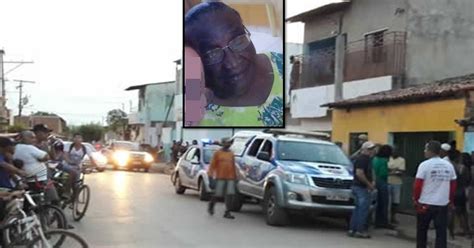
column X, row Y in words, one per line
column 161, row 168
column 407, row 230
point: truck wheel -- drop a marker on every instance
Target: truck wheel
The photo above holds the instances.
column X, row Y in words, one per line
column 203, row 194
column 234, row 203
column 275, row 215
column 178, row 187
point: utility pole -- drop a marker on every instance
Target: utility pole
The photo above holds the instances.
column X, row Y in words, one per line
column 339, row 62
column 2, row 74
column 20, row 100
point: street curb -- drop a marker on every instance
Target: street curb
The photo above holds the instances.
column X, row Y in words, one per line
column 405, row 236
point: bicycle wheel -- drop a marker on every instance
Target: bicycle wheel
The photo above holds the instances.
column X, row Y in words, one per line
column 51, row 217
column 81, row 202
column 69, row 240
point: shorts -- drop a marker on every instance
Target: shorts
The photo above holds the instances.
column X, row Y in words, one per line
column 225, row 187
column 395, row 192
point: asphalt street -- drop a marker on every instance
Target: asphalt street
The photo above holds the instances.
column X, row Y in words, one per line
column 136, row 209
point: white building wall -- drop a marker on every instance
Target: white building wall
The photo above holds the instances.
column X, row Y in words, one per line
column 306, row 103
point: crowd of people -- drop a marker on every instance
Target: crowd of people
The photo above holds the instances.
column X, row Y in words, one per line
column 27, row 156
column 442, row 192
column 179, row 147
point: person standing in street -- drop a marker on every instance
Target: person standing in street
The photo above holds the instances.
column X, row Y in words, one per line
column 223, row 171
column 361, row 139
column 461, row 163
column 396, row 168
column 361, row 189
column 174, row 152
column 433, row 193
column 380, row 167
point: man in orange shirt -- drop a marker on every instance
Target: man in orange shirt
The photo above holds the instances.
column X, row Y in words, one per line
column 222, row 169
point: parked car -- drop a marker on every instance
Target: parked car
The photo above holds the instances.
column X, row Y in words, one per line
column 98, row 157
column 191, row 170
column 293, row 171
column 128, row 155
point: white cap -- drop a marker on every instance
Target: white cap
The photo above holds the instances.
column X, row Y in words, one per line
column 446, row 147
column 368, row 145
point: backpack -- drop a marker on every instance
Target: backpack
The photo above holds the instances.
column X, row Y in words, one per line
column 84, row 150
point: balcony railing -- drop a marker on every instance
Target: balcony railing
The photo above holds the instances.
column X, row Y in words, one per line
column 374, row 56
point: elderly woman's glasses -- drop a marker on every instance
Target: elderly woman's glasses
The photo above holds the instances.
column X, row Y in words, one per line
column 238, row 44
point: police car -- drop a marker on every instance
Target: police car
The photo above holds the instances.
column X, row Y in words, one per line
column 191, row 170
column 291, row 171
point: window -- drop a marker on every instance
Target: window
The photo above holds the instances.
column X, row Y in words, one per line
column 254, row 147
column 238, row 145
column 312, row 152
column 374, row 46
column 196, row 158
column 267, row 147
column 190, row 154
column 354, row 143
column 208, row 153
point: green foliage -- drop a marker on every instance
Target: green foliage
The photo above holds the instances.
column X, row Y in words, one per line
column 17, row 128
column 42, row 113
column 89, row 132
column 116, row 119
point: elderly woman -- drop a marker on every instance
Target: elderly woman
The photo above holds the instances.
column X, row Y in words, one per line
column 243, row 88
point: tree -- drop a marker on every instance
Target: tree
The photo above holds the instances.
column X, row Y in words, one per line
column 90, row 132
column 42, row 113
column 117, row 120
column 17, row 128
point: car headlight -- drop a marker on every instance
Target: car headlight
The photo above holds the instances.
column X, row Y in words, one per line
column 149, row 158
column 296, row 178
column 121, row 157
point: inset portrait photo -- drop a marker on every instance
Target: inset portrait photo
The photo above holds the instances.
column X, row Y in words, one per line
column 233, row 64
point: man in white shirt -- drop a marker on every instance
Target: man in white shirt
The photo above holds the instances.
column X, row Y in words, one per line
column 434, row 190
column 396, row 167
column 32, row 157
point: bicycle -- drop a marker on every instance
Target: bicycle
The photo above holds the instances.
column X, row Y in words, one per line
column 24, row 229
column 51, row 216
column 80, row 198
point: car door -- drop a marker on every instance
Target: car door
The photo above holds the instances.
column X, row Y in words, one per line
column 186, row 166
column 263, row 167
column 196, row 165
column 249, row 167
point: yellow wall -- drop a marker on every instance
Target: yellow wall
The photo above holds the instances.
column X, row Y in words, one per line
column 378, row 122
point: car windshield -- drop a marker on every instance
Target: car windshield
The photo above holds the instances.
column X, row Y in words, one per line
column 311, row 152
column 208, row 153
column 129, row 146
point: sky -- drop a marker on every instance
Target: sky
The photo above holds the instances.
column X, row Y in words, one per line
column 87, row 52
column 295, row 31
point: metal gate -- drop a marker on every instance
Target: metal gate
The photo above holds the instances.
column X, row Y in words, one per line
column 411, row 146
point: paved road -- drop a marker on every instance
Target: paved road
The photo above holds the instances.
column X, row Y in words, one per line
column 141, row 210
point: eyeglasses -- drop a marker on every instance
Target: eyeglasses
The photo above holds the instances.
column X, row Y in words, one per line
column 237, row 45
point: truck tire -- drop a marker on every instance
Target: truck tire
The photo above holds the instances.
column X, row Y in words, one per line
column 204, row 195
column 234, row 203
column 180, row 189
column 275, row 215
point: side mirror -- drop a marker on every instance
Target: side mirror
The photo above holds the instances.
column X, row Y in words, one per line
column 265, row 156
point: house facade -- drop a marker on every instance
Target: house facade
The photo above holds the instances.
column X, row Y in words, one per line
column 56, row 123
column 386, row 45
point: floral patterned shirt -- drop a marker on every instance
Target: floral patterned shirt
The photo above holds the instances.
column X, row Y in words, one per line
column 268, row 114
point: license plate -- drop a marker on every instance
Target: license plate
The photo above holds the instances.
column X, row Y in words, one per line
column 137, row 162
column 337, row 198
